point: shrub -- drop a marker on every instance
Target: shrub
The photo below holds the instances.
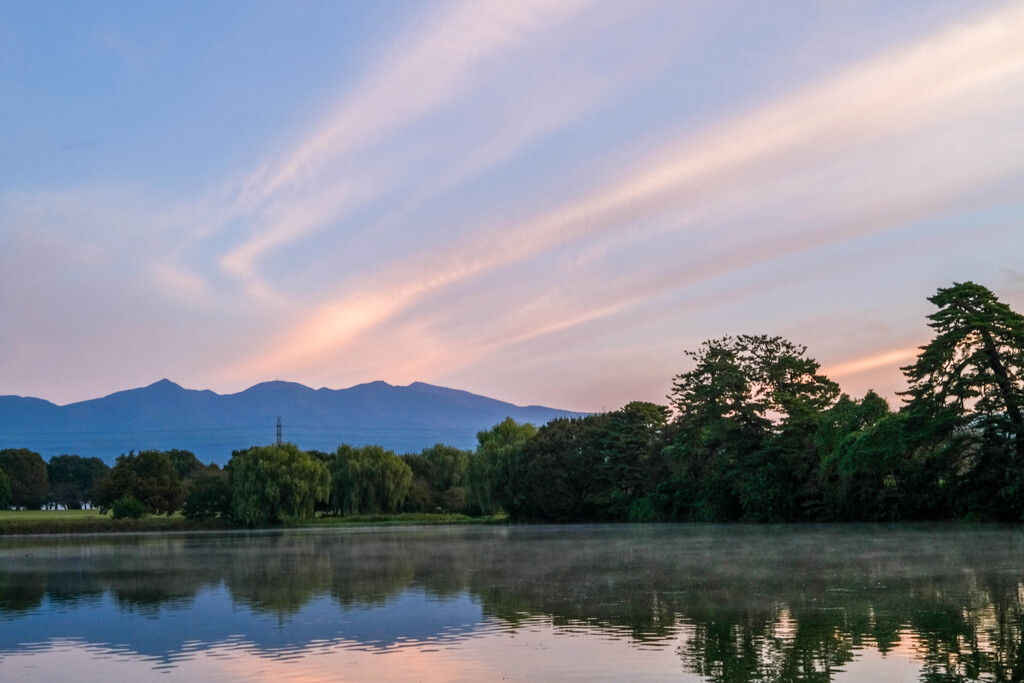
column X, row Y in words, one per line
column 128, row 508
column 642, row 510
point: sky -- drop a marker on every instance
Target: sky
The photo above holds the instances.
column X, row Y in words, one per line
column 543, row 202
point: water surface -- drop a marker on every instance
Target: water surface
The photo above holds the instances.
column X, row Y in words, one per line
column 680, row 602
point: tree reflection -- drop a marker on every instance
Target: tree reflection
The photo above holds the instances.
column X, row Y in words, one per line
column 736, row 603
column 277, row 574
column 21, row 594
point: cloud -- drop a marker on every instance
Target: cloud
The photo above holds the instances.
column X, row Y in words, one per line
column 422, row 74
column 899, row 105
column 890, row 358
column 182, row 283
column 318, row 181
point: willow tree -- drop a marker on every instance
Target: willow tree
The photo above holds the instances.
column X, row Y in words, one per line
column 275, row 484
column 488, row 469
column 369, row 479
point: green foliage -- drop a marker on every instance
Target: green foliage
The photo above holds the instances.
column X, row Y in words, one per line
column 209, row 495
column 186, row 464
column 642, row 510
column 5, row 491
column 73, row 479
column 601, row 467
column 848, row 416
column 127, row 507
column 871, row 466
column 758, row 382
column 275, row 484
column 975, row 363
column 455, row 499
column 558, row 474
column 775, row 483
column 438, row 475
column 970, row 380
column 26, row 472
column 447, row 466
column 322, row 456
column 488, row 469
column 837, row 426
column 419, row 497
column 744, row 446
column 149, row 477
column 897, row 469
column 368, row 480
column 633, row 446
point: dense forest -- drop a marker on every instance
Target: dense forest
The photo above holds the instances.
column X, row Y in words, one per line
column 752, row 432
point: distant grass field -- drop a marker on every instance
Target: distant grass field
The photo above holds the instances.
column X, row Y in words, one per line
column 91, row 521
column 48, row 515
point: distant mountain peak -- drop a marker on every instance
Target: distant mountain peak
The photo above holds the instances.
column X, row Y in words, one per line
column 164, row 384
column 276, row 384
column 163, row 415
column 277, row 389
column 159, row 388
column 376, row 384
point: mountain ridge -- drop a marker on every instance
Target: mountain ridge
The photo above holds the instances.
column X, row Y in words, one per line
column 166, row 415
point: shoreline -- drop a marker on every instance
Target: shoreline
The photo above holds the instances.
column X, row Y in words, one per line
column 87, row 522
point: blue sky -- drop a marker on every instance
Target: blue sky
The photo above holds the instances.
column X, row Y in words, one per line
column 544, row 202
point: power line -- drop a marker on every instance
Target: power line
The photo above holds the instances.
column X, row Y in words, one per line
column 306, row 429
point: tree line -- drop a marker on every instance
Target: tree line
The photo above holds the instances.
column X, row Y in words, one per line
column 753, row 432
column 260, row 486
column 263, row 485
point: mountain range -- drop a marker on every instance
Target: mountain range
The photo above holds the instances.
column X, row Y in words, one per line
column 164, row 415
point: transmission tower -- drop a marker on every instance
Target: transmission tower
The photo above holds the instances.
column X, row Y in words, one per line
column 278, row 430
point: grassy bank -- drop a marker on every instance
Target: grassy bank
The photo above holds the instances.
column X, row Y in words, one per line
column 91, row 521
column 408, row 518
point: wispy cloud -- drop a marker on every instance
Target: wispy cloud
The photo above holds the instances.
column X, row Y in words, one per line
column 322, row 178
column 905, row 99
column 423, row 73
column 891, row 358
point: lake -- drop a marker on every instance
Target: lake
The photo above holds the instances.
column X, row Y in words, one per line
column 623, row 602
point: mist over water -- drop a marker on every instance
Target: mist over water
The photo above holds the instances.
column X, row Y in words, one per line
column 698, row 602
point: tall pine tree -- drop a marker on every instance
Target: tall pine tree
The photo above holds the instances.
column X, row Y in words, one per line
column 967, row 391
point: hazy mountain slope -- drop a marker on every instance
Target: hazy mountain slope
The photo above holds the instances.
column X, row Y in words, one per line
column 164, row 415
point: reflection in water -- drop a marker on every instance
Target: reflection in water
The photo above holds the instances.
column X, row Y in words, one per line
column 719, row 603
